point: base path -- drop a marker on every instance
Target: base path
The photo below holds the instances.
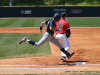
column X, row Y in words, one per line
column 84, row 42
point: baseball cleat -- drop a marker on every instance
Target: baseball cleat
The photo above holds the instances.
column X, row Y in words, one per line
column 23, row 40
column 71, row 54
column 63, row 58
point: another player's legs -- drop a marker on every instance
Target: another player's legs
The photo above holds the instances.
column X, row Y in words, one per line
column 71, row 54
column 55, row 41
column 63, row 57
column 65, row 43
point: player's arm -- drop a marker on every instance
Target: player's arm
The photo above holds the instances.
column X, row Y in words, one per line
column 68, row 31
column 53, row 28
column 41, row 26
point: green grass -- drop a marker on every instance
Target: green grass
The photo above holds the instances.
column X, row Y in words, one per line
column 84, row 22
column 35, row 22
column 9, row 46
column 20, row 22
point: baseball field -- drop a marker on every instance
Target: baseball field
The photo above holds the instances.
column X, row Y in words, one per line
column 28, row 59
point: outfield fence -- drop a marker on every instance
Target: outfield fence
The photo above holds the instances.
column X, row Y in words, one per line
column 72, row 11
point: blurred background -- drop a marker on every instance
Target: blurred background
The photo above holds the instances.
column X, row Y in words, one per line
column 48, row 2
column 47, row 8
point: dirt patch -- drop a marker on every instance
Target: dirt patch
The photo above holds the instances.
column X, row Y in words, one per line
column 84, row 41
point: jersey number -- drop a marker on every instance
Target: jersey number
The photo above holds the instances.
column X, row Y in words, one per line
column 60, row 26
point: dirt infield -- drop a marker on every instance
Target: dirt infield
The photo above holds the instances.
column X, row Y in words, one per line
column 84, row 41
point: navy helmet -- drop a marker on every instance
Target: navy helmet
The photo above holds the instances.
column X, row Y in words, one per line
column 56, row 16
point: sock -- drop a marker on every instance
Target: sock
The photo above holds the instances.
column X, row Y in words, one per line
column 63, row 50
column 31, row 42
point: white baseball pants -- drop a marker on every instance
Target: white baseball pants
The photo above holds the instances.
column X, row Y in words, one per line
column 64, row 42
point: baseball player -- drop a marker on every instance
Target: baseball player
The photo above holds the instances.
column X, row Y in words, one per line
column 62, row 35
column 48, row 35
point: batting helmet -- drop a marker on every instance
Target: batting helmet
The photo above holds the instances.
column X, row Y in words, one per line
column 56, row 16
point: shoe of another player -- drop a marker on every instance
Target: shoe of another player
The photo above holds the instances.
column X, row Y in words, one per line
column 71, row 54
column 23, row 40
column 63, row 58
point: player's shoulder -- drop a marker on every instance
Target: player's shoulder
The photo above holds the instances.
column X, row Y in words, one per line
column 63, row 21
column 50, row 20
column 66, row 22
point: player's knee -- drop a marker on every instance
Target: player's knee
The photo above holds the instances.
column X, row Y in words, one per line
column 37, row 45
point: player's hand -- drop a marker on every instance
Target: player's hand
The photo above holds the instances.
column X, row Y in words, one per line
column 68, row 35
column 40, row 31
column 58, row 30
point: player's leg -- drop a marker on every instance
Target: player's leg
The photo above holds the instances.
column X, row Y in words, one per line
column 55, row 41
column 65, row 43
column 59, row 38
column 46, row 37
